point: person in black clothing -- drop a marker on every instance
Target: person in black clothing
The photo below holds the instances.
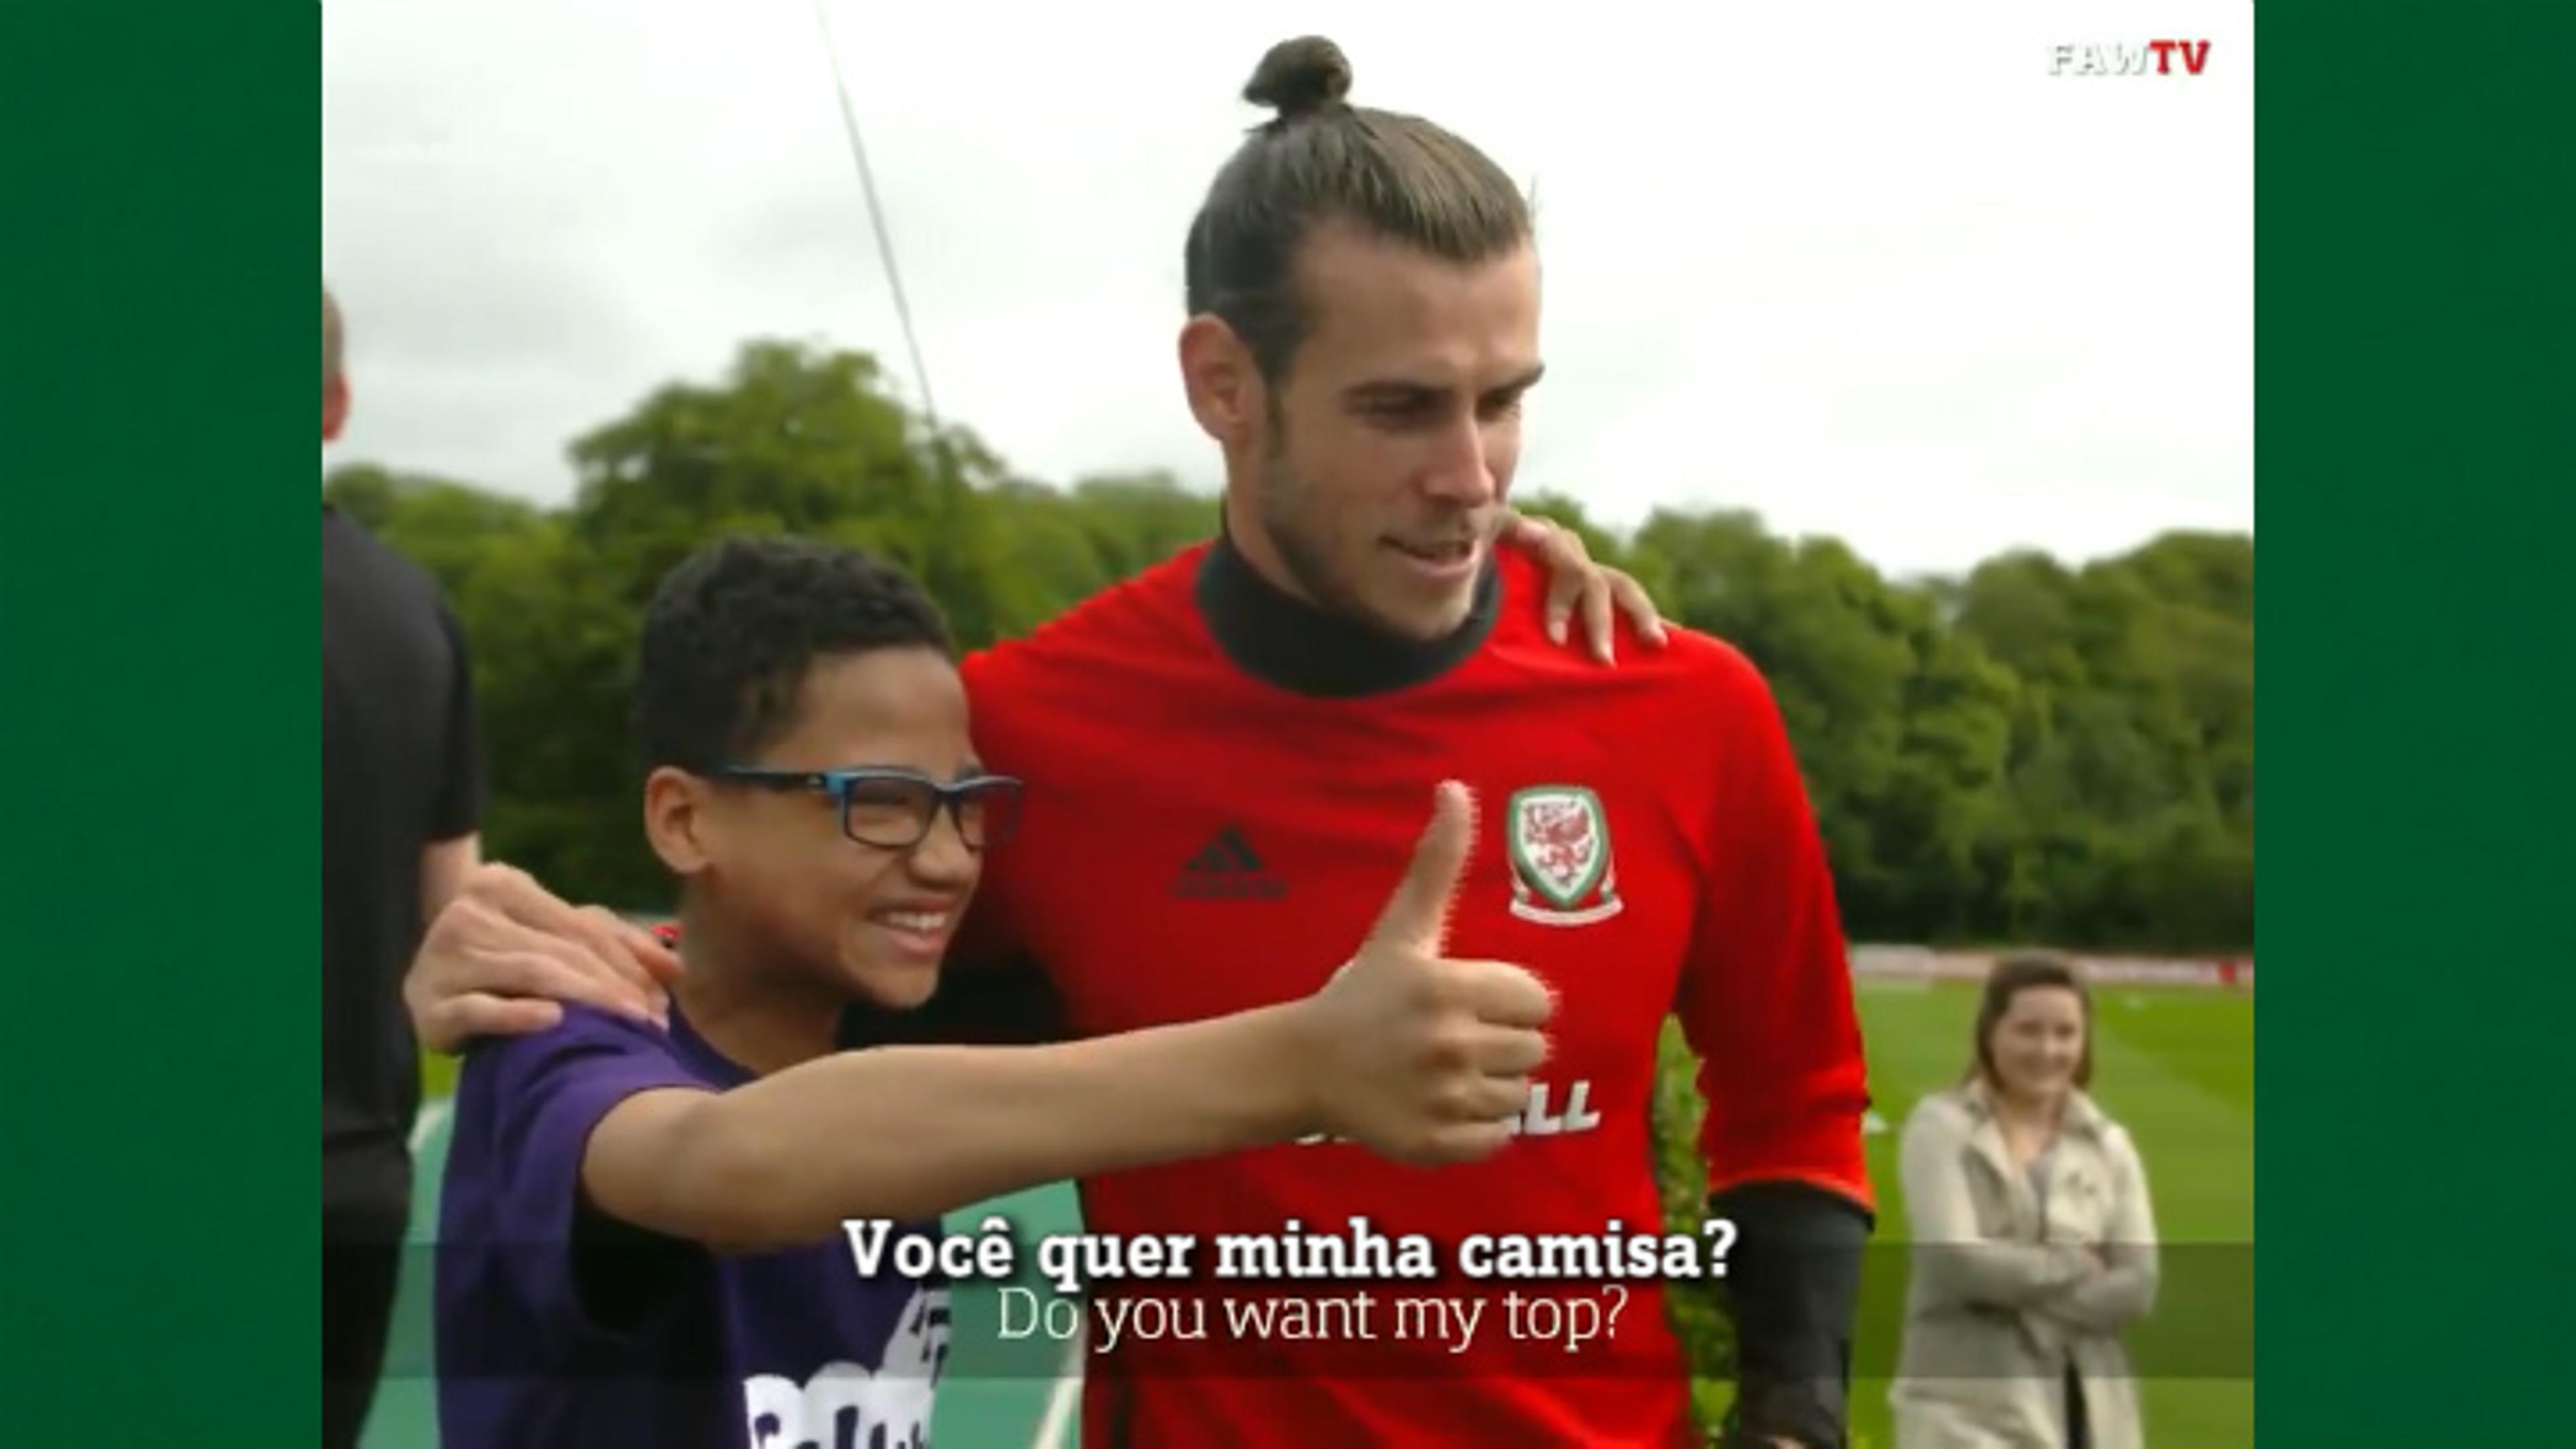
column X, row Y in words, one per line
column 402, row 800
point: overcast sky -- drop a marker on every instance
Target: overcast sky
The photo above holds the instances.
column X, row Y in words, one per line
column 1869, row 270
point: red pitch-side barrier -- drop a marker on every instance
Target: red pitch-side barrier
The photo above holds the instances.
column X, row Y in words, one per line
column 2226, row 973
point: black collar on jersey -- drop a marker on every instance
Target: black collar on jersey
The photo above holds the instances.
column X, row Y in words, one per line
column 1288, row 642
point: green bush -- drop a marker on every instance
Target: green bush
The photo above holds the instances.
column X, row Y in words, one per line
column 1697, row 1315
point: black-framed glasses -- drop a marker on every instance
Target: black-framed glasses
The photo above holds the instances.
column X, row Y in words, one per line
column 894, row 809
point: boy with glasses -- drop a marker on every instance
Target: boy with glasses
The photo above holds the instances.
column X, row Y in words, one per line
column 643, row 1233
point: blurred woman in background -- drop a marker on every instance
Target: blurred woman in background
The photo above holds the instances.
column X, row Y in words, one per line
column 2034, row 1237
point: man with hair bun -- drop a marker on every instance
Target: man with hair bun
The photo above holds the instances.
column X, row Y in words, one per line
column 1229, row 789
column 1361, row 346
column 1228, row 757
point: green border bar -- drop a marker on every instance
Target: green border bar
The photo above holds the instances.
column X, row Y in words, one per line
column 2415, row 451
column 159, row 725
column 2416, row 457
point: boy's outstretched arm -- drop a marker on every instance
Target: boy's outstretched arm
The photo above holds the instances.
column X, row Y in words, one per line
column 1419, row 1057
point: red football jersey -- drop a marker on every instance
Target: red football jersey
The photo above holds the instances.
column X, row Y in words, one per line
column 1199, row 840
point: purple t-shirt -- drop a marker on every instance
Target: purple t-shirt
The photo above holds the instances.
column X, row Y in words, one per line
column 559, row 1328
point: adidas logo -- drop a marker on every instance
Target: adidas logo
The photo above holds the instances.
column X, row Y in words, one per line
column 1225, row 869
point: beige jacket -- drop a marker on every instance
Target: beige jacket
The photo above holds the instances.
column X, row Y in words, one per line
column 2000, row 1301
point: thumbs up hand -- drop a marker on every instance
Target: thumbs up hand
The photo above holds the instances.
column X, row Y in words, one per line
column 1421, row 1058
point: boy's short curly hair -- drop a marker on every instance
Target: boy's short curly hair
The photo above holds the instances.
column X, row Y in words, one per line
column 733, row 631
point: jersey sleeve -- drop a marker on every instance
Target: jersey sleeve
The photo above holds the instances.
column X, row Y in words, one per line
column 1766, row 993
column 456, row 809
column 542, row 1095
column 1766, row 1002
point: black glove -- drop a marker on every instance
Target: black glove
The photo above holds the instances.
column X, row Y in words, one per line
column 1793, row 1284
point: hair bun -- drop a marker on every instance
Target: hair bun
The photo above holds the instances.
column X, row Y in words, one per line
column 1300, row 77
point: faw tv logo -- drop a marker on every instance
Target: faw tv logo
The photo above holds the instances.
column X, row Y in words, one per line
column 2153, row 57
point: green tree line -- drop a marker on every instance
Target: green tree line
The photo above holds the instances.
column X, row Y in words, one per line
column 2032, row 753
